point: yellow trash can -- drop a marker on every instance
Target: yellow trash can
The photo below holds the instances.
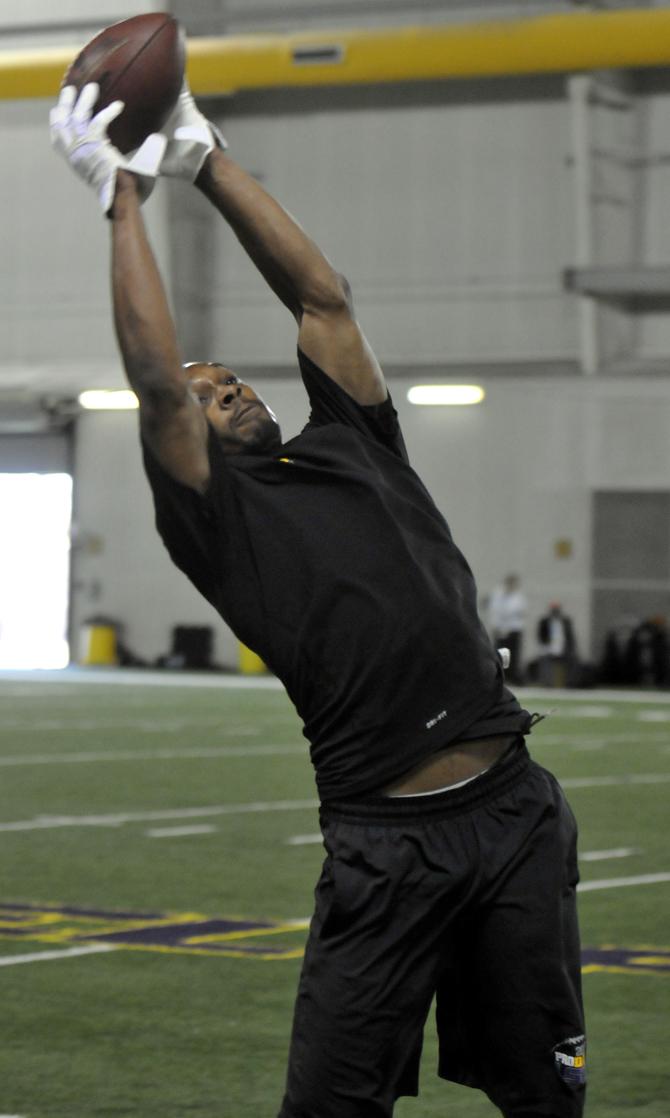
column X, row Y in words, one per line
column 250, row 662
column 98, row 646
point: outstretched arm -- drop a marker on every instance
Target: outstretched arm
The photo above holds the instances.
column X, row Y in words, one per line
column 299, row 273
column 172, row 422
column 290, row 262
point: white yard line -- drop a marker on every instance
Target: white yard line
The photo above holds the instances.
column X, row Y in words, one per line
column 605, row 855
column 586, row 710
column 622, row 882
column 93, row 757
column 178, row 832
column 97, row 757
column 53, row 956
column 613, row 781
column 631, row 737
column 125, row 678
column 587, row 856
column 118, row 819
column 139, row 726
column 597, row 696
column 128, row 677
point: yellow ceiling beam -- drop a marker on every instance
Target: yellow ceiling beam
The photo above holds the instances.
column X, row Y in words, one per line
column 621, row 39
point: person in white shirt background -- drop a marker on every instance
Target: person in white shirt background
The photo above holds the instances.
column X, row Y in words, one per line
column 507, row 618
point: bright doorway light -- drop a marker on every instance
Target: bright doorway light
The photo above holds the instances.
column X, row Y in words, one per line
column 35, row 516
column 445, row 394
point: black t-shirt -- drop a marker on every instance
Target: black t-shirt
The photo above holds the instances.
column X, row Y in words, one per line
column 331, row 561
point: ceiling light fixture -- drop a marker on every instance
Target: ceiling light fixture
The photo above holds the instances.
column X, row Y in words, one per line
column 104, row 399
column 428, row 395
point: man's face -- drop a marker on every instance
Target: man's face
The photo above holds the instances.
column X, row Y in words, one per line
column 242, row 421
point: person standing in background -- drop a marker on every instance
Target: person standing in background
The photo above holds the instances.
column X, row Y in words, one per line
column 556, row 638
column 507, row 615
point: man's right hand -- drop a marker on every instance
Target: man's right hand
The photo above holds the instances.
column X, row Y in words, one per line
column 81, row 139
column 190, row 138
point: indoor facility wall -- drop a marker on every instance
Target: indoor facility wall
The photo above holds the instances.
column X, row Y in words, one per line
column 514, row 476
column 654, row 320
column 448, row 207
column 242, row 16
column 38, row 23
column 55, row 319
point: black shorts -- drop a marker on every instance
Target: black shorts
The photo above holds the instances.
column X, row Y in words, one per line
column 466, row 896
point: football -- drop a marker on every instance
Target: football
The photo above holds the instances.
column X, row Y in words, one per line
column 139, row 61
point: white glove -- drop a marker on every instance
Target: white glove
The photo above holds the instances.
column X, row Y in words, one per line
column 82, row 139
column 190, row 138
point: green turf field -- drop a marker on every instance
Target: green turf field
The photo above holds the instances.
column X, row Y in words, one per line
column 158, row 854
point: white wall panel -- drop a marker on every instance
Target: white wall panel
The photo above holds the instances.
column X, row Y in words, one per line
column 451, row 220
column 286, row 15
column 54, row 245
column 41, row 23
column 36, row 13
column 632, row 446
column 654, row 328
column 38, row 454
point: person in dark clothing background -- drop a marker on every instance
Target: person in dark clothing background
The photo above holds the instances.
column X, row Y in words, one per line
column 450, row 868
column 556, row 638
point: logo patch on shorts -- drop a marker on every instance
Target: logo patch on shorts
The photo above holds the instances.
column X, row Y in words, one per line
column 570, row 1060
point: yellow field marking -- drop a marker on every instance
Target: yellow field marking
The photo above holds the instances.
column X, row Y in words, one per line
column 225, row 953
column 89, row 926
column 250, row 933
column 30, row 919
column 594, row 968
column 74, row 930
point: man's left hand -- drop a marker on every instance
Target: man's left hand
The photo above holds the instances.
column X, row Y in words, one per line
column 190, row 138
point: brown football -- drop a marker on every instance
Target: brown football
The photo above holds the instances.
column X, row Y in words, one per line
column 139, row 61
